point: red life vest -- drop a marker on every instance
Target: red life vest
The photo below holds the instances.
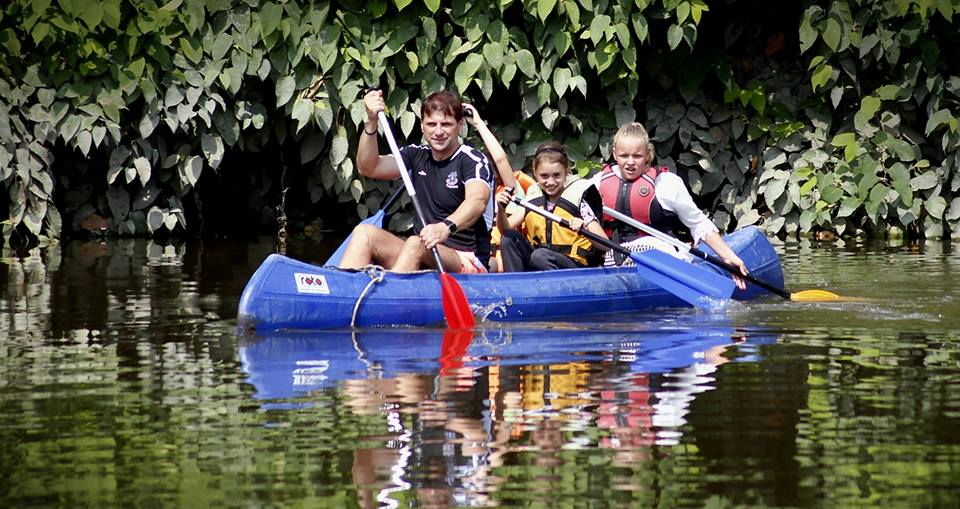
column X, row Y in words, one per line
column 636, row 199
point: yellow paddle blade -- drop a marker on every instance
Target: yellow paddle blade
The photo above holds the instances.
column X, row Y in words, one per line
column 815, row 296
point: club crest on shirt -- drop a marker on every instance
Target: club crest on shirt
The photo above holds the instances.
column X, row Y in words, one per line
column 452, row 180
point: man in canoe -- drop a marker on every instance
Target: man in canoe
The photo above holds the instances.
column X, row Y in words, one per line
column 453, row 183
column 653, row 196
column 546, row 244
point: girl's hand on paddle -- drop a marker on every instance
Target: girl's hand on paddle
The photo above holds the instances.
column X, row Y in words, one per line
column 575, row 223
column 735, row 261
column 434, row 234
column 373, row 101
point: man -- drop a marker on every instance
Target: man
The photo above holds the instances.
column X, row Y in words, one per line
column 453, row 183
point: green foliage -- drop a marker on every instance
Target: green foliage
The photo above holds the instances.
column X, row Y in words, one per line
column 125, row 109
column 886, row 102
column 151, row 96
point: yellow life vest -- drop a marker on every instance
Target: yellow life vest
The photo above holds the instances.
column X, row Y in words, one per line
column 564, row 382
column 545, row 233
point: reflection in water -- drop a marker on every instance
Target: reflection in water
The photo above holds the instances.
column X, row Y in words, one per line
column 460, row 415
column 119, row 386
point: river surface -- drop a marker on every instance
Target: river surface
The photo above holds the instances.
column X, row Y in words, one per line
column 124, row 383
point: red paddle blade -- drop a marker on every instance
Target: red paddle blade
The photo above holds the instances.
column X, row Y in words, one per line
column 453, row 348
column 456, row 309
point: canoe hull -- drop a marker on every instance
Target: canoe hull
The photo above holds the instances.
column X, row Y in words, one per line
column 286, row 294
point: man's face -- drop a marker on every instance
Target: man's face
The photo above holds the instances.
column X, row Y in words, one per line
column 440, row 130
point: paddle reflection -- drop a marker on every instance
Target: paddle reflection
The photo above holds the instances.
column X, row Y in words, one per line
column 460, row 411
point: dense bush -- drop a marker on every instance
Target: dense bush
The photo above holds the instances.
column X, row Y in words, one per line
column 134, row 116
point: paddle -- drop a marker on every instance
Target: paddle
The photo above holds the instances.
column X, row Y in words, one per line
column 803, row 296
column 456, row 309
column 689, row 282
column 375, row 220
column 453, row 349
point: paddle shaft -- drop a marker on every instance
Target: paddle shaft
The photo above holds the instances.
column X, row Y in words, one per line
column 394, row 196
column 716, row 260
column 376, row 220
column 456, row 308
column 678, row 277
column 566, row 224
column 407, row 182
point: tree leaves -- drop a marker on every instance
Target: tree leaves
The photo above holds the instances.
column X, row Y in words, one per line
column 190, row 170
column 142, row 164
column 526, row 63
column 270, row 18
column 467, row 70
column 900, row 178
column 869, row 106
column 821, row 76
column 302, row 112
column 674, row 36
column 339, row 148
column 285, row 88
column 939, row 118
column 212, row 147
column 207, row 71
column 544, row 8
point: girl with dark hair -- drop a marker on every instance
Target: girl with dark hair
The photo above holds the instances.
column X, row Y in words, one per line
column 548, row 245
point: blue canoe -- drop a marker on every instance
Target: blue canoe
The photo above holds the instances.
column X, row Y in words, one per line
column 286, row 294
column 293, row 365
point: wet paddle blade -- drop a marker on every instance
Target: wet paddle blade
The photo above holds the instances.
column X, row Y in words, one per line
column 453, row 349
column 375, row 220
column 456, row 308
column 816, row 296
column 689, row 282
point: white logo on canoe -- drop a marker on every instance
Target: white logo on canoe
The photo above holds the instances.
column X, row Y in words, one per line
column 311, row 283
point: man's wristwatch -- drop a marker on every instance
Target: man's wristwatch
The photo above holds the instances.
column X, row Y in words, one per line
column 451, row 226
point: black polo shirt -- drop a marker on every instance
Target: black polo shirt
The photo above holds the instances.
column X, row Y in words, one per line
column 440, row 190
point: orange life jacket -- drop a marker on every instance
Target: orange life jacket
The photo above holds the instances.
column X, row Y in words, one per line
column 637, row 199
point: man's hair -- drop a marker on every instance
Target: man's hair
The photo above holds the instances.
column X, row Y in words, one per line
column 551, row 152
column 443, row 101
column 635, row 130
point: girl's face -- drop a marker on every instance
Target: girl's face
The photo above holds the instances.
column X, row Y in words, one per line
column 631, row 156
column 551, row 177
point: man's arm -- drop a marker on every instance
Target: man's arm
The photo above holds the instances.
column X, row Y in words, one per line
column 472, row 208
column 369, row 161
column 477, row 193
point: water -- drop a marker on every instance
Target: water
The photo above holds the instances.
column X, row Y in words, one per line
column 123, row 382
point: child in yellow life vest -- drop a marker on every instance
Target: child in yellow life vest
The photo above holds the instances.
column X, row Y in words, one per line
column 548, row 245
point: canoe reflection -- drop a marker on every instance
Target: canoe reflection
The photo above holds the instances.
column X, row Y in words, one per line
column 292, row 365
column 457, row 406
